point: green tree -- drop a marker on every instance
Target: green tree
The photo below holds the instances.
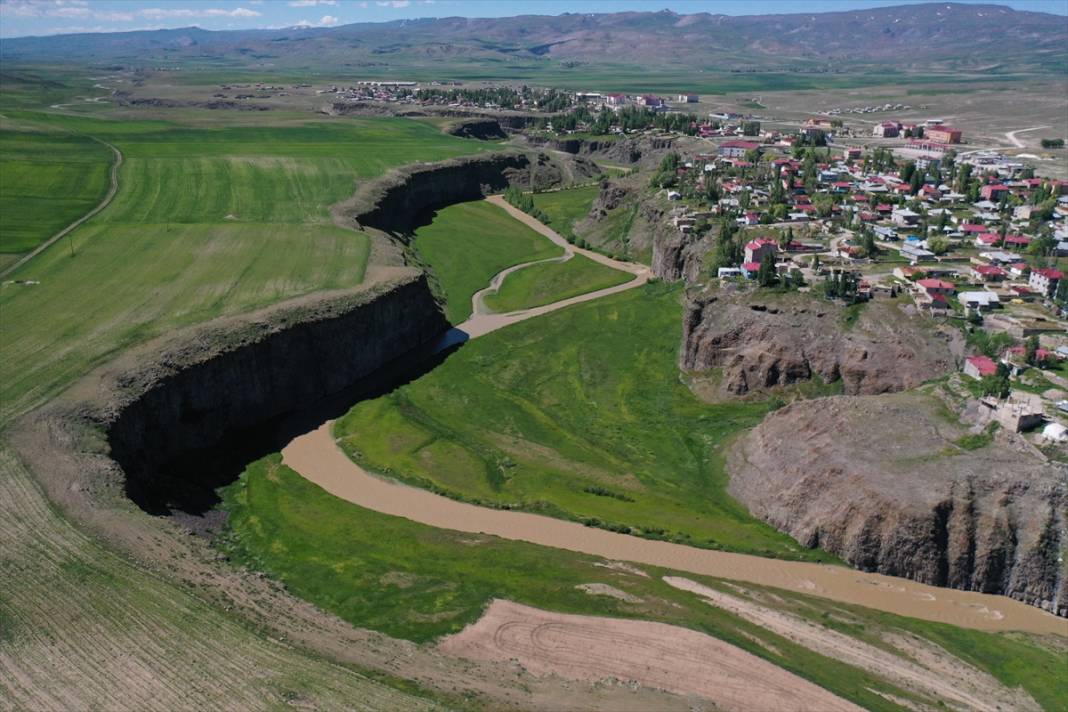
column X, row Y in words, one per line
column 938, row 245
column 1031, row 351
column 766, row 275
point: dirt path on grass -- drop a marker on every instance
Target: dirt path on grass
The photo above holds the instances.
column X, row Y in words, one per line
column 113, row 187
column 921, row 666
column 1010, row 136
column 667, row 657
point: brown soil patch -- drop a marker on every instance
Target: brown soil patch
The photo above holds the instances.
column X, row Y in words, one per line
column 650, row 654
column 927, row 669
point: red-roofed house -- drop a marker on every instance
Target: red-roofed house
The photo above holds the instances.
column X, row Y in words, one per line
column 987, row 239
column 756, row 249
column 751, row 218
column 750, row 268
column 737, row 149
column 936, row 286
column 1017, row 241
column 979, row 366
column 973, row 228
column 1045, row 280
column 943, row 134
column 993, row 192
column 988, row 273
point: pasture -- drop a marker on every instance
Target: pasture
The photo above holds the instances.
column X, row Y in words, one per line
column 551, row 282
column 577, row 414
column 205, row 222
column 467, row 244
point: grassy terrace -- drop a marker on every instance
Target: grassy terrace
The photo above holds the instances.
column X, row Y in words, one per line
column 565, row 207
column 47, row 181
column 553, row 281
column 467, row 244
column 417, row 582
column 206, row 221
column 579, row 414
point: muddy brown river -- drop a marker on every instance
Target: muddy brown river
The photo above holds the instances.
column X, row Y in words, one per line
column 317, row 457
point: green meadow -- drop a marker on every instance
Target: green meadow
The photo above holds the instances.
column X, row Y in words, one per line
column 206, row 221
column 579, row 414
column 47, row 181
column 467, row 244
column 419, row 583
column 551, row 282
column 565, row 207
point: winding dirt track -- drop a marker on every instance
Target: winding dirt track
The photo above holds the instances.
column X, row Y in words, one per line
column 113, row 187
column 317, row 457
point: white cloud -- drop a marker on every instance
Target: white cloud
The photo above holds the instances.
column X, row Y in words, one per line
column 328, row 21
column 159, row 13
column 310, row 3
column 393, row 3
column 44, row 8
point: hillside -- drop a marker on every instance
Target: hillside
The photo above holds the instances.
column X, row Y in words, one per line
column 918, row 37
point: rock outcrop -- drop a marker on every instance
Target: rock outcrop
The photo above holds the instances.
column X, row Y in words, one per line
column 760, row 340
column 398, row 201
column 882, row 483
column 678, row 256
column 633, row 150
column 482, row 129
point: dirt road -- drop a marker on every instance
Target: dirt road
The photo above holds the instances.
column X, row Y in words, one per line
column 316, row 456
column 112, row 189
column 1010, row 136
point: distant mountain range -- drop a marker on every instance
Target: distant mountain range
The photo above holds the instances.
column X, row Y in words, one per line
column 935, row 37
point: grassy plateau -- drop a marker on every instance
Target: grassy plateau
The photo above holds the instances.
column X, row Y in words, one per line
column 206, row 221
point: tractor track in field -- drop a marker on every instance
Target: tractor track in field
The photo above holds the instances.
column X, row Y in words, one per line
column 113, row 188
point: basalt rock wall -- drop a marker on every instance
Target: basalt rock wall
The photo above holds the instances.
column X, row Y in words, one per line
column 228, row 377
column 882, row 482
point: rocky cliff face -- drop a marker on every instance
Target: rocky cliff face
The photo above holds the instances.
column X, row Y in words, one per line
column 762, row 340
column 482, row 129
column 634, row 150
column 227, row 377
column 398, row 201
column 882, row 483
column 677, row 256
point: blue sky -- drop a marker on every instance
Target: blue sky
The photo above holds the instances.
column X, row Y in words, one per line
column 46, row 17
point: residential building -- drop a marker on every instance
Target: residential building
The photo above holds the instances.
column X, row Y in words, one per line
column 737, row 149
column 943, row 134
column 886, row 129
column 979, row 366
column 756, row 249
column 1044, row 280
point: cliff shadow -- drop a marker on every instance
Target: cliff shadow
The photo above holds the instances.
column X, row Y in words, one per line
column 185, row 486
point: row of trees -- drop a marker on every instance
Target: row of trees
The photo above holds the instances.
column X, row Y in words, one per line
column 525, row 202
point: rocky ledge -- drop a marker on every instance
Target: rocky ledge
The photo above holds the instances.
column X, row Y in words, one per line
column 885, row 483
column 761, row 340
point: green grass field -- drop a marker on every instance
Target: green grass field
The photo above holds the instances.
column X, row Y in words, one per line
column 467, row 244
column 417, row 582
column 578, row 414
column 47, row 181
column 565, row 207
column 205, row 222
column 553, row 281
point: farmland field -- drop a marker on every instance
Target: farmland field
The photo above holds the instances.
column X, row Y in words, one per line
column 47, row 181
column 467, row 244
column 590, row 428
column 550, row 282
column 205, row 222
